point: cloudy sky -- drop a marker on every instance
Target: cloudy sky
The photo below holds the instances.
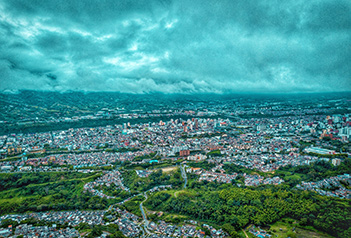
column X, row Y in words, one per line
column 176, row 46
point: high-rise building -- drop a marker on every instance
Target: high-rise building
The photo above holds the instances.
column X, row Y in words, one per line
column 184, row 153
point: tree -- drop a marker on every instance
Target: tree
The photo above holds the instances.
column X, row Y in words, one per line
column 230, row 230
column 303, row 221
column 97, row 231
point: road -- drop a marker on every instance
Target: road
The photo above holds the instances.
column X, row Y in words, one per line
column 245, row 233
column 142, row 211
column 146, row 222
column 184, row 176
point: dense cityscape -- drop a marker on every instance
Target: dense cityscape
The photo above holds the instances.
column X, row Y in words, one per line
column 114, row 180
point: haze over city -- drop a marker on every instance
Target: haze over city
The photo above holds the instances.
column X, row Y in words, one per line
column 175, row 46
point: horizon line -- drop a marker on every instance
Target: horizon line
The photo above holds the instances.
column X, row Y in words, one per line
column 7, row 91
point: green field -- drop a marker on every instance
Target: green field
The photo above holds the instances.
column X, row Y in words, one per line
column 290, row 228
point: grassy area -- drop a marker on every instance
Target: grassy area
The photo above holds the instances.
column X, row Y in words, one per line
column 187, row 193
column 174, row 218
column 302, row 233
column 214, row 153
column 291, row 229
column 169, row 169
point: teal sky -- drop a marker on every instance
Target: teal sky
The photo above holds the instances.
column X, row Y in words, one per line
column 166, row 46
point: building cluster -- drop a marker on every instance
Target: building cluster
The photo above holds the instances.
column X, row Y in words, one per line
column 143, row 173
column 256, row 180
column 197, row 157
column 219, row 177
column 265, row 144
column 128, row 227
column 159, row 188
column 162, row 136
column 6, row 232
column 77, row 160
column 30, row 231
column 84, row 159
column 128, row 223
column 71, row 139
column 168, row 230
column 188, row 231
column 333, row 186
column 72, row 218
column 214, row 232
column 128, row 215
column 29, row 168
column 258, row 232
column 271, row 162
column 108, row 179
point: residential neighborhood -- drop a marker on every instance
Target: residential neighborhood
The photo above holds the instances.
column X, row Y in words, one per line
column 333, row 186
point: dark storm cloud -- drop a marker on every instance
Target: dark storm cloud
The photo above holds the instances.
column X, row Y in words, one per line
column 176, row 46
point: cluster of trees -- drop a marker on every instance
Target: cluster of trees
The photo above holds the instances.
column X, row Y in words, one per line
column 133, row 205
column 48, row 191
column 214, row 153
column 158, row 199
column 137, row 184
column 18, row 180
column 345, row 155
column 115, row 191
column 238, row 207
column 338, row 145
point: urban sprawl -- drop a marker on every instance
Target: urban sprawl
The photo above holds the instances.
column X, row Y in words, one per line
column 260, row 144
